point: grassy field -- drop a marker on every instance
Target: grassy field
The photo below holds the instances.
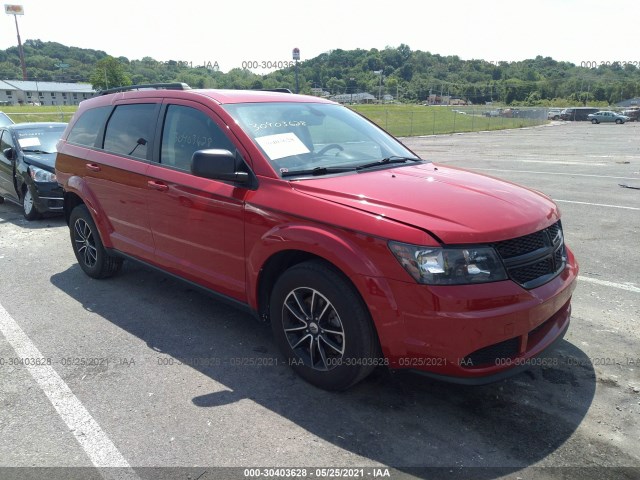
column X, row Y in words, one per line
column 39, row 114
column 399, row 120
column 412, row 120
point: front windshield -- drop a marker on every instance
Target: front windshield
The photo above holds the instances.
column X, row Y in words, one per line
column 311, row 137
column 39, row 139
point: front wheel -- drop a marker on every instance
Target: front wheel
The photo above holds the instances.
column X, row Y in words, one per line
column 594, row 121
column 29, row 209
column 322, row 326
column 93, row 258
column 619, row 122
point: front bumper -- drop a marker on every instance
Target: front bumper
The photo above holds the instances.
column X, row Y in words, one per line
column 48, row 197
column 470, row 333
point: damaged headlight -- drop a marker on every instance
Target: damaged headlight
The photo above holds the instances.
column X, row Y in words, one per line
column 449, row 266
column 40, row 175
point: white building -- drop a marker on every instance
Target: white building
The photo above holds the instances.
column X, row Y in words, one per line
column 30, row 92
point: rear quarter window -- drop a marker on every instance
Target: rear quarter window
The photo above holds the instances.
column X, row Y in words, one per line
column 85, row 130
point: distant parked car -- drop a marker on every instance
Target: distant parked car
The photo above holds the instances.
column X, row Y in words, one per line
column 633, row 114
column 607, row 116
column 577, row 114
column 554, row 113
column 5, row 120
column 27, row 167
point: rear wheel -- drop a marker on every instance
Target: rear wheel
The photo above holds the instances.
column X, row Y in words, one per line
column 93, row 258
column 322, row 326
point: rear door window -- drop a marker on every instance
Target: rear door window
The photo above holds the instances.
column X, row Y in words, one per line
column 130, row 130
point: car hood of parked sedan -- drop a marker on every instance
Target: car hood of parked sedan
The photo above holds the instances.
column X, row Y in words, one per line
column 46, row 161
column 455, row 205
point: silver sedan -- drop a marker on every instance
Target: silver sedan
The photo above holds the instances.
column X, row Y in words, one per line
column 607, row 116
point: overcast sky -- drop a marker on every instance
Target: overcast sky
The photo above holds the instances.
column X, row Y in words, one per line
column 236, row 31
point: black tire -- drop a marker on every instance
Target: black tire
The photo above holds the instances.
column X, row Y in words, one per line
column 29, row 209
column 619, row 122
column 594, row 121
column 335, row 350
column 87, row 245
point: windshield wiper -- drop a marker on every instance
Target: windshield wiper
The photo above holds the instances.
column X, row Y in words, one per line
column 388, row 160
column 317, row 171
column 31, row 150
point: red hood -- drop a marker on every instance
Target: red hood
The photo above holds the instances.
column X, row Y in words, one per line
column 455, row 205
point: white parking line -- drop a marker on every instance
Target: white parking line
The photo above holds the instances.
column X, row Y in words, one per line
column 629, row 287
column 550, row 173
column 596, row 204
column 97, row 445
column 554, row 162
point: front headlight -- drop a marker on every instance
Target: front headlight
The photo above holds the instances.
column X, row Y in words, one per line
column 449, row 266
column 40, row 175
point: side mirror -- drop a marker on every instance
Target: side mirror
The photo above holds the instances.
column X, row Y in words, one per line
column 9, row 153
column 218, row 164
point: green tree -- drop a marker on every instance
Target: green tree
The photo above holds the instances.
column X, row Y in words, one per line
column 109, row 73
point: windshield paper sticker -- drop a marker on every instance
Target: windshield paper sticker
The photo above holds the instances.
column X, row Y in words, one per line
column 282, row 145
column 29, row 142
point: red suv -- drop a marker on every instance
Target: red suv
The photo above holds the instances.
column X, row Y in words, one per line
column 359, row 253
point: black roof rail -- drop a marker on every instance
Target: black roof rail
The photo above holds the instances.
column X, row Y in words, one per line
column 279, row 90
column 157, row 86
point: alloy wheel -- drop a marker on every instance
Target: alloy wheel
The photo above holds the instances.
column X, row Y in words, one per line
column 313, row 329
column 85, row 243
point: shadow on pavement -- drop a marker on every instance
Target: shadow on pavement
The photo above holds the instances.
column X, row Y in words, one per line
column 11, row 213
column 402, row 420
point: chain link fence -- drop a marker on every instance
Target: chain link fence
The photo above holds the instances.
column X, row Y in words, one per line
column 412, row 120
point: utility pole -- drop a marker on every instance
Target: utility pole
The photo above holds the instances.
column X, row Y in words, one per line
column 16, row 10
column 296, row 57
column 351, row 80
column 379, row 72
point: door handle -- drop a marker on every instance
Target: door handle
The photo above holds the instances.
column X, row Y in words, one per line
column 161, row 187
column 93, row 167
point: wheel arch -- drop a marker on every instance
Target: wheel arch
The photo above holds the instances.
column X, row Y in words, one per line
column 284, row 246
column 76, row 192
column 277, row 264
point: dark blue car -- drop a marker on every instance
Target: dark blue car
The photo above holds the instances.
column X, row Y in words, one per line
column 27, row 167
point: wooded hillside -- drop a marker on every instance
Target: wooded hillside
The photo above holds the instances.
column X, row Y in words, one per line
column 407, row 75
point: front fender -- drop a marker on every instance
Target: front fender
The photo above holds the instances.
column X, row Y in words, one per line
column 359, row 257
column 343, row 249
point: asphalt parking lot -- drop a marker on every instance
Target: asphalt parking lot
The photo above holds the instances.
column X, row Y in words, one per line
column 140, row 372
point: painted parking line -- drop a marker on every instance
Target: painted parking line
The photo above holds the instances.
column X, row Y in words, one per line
column 550, row 173
column 629, row 287
column 101, row 451
column 597, row 204
column 564, row 162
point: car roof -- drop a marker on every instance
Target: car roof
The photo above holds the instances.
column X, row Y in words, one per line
column 257, row 96
column 220, row 96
